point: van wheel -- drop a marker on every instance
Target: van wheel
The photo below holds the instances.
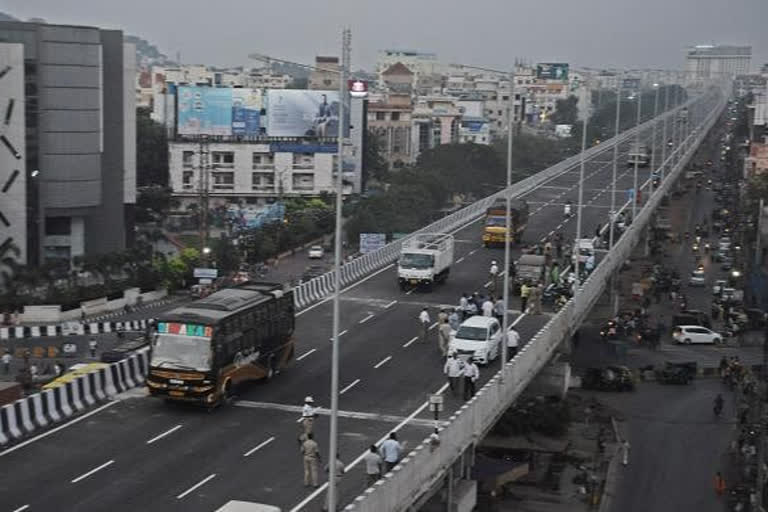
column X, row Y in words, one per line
column 687, row 341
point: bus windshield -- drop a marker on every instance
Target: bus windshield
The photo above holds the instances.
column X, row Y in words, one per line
column 182, row 352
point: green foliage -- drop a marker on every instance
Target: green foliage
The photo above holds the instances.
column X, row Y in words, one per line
column 548, row 417
column 566, row 111
column 153, row 203
column 151, row 151
column 374, row 165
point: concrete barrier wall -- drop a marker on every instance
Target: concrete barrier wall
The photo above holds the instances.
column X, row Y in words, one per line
column 34, row 413
column 417, row 473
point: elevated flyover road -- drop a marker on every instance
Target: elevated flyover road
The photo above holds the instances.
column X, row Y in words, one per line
column 142, row 454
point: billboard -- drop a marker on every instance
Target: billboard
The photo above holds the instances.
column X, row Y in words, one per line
column 205, row 111
column 370, row 242
column 552, row 71
column 302, row 113
column 218, row 111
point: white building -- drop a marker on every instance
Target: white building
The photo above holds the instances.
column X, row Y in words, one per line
column 712, row 61
column 422, row 64
column 252, row 173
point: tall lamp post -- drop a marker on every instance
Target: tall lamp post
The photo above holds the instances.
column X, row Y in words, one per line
column 656, row 121
column 342, row 73
column 637, row 147
column 664, row 132
column 615, row 160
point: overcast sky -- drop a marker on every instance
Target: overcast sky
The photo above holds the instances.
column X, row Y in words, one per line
column 606, row 33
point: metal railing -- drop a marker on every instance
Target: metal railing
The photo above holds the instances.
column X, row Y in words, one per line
column 423, row 467
column 318, row 288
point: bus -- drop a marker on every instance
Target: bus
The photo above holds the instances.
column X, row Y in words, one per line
column 202, row 350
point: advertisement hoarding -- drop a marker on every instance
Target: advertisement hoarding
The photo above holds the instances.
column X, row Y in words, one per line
column 302, row 113
column 370, row 242
column 205, row 111
column 552, row 71
column 246, row 111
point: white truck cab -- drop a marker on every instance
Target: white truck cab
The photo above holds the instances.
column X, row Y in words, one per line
column 425, row 259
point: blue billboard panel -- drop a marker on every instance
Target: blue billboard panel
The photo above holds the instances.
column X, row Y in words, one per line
column 302, row 113
column 205, row 111
column 246, row 112
column 552, row 71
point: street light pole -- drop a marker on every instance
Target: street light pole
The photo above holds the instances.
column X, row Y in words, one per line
column 615, row 160
column 508, row 220
column 333, row 443
column 637, row 147
column 576, row 250
column 664, row 132
column 655, row 122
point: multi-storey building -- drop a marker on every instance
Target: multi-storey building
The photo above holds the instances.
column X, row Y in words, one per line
column 389, row 120
column 713, row 61
column 326, row 74
column 436, row 120
column 80, row 144
column 423, row 65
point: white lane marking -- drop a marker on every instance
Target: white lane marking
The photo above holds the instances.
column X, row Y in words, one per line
column 326, row 412
column 357, row 461
column 94, row 470
column 382, row 362
column 21, row 508
column 344, row 290
column 305, row 354
column 259, row 447
column 350, row 386
column 60, row 427
column 409, row 291
column 408, row 343
column 473, row 251
column 198, row 484
column 460, row 259
column 166, row 433
column 390, row 304
column 366, row 318
column 342, row 333
column 433, row 326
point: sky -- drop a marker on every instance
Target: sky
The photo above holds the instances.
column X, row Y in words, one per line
column 592, row 33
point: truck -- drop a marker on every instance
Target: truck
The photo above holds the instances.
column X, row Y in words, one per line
column 531, row 269
column 425, row 259
column 639, row 154
column 495, row 230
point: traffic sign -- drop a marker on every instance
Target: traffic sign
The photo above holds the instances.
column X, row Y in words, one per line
column 206, row 273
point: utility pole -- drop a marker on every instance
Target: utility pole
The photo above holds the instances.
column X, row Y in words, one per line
column 203, row 193
column 664, row 133
column 508, row 220
column 346, row 39
column 635, row 192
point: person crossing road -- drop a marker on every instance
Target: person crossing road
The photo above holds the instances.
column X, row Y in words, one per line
column 424, row 321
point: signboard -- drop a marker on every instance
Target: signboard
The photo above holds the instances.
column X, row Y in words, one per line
column 552, row 71
column 218, row 111
column 473, row 126
column 198, row 330
column 436, row 402
column 302, row 113
column 206, row 273
column 297, row 147
column 358, row 88
column 370, row 242
column 204, row 281
column 631, row 84
column 563, row 130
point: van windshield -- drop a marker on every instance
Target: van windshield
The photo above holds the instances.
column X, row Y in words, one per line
column 466, row 332
column 416, row 260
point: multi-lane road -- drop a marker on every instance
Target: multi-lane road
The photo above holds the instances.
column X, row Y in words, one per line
column 140, row 454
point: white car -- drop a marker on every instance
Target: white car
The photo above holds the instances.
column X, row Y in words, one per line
column 316, row 252
column 688, row 334
column 719, row 285
column 478, row 337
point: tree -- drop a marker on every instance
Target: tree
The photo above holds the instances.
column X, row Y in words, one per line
column 152, row 203
column 566, row 111
column 374, row 165
column 151, row 151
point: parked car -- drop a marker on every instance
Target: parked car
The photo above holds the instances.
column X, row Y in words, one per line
column 689, row 334
column 316, row 252
column 717, row 289
column 610, row 378
column 478, row 337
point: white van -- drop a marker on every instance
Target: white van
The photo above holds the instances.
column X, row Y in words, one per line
column 478, row 337
column 246, row 506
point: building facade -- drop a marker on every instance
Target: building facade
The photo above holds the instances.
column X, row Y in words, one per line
column 389, row 120
column 712, row 61
column 325, row 75
column 80, row 142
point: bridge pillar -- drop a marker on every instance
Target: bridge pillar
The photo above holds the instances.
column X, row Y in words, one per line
column 553, row 379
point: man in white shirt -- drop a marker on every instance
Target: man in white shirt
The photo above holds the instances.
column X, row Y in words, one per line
column 390, row 451
column 454, row 369
column 493, row 274
column 471, row 374
column 513, row 340
column 488, row 307
column 424, row 321
column 373, row 463
column 308, row 414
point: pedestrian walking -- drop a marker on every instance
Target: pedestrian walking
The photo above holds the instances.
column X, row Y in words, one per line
column 424, row 320
column 311, row 454
column 513, row 341
column 493, row 274
column 444, row 337
column 625, row 452
column 390, row 451
column 454, row 320
column 488, row 306
column 336, row 472
column 554, row 274
column 442, row 316
column 719, row 484
column 525, row 292
column 308, row 415
column 92, row 346
column 373, row 463
column 464, row 305
column 498, row 310
column 453, row 370
column 471, row 374
column 7, row 358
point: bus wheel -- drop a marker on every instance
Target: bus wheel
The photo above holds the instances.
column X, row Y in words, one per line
column 226, row 393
